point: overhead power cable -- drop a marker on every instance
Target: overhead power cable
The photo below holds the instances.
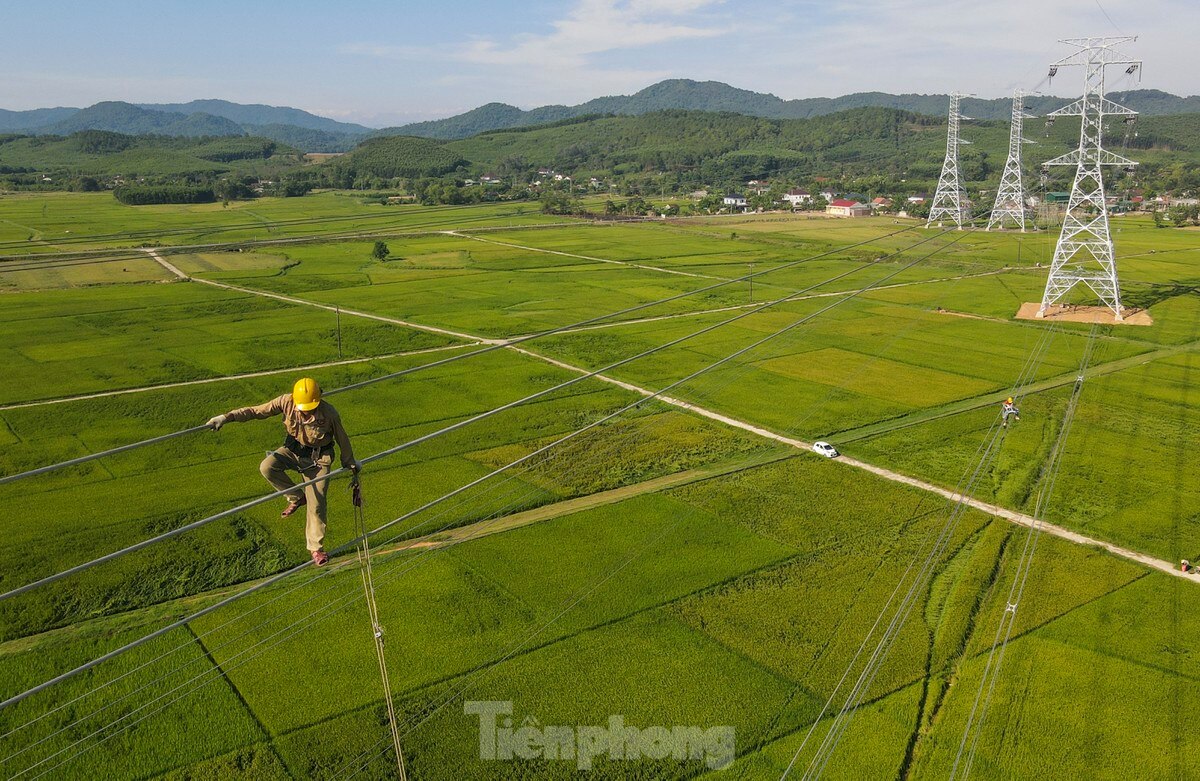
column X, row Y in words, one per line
column 368, row 582
column 463, row 356
column 585, row 461
column 432, row 435
column 439, row 432
column 838, row 302
column 280, row 576
column 228, row 664
column 298, row 623
column 921, row 569
column 995, row 657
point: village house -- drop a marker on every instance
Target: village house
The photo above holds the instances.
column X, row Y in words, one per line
column 842, row 207
column 734, row 199
column 797, row 197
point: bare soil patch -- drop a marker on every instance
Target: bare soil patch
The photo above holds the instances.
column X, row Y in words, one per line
column 1084, row 314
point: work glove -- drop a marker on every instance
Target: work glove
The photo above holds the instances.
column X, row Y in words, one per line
column 216, row 423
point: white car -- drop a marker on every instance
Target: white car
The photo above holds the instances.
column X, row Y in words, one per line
column 825, row 449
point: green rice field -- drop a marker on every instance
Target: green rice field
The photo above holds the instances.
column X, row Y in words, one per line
column 687, row 563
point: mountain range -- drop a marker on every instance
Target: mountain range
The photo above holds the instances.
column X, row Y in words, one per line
column 717, row 96
column 314, row 133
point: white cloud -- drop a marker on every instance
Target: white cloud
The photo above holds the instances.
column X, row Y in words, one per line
column 983, row 46
column 594, row 27
column 584, row 54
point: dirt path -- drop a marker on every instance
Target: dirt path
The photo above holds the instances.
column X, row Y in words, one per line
column 583, row 257
column 166, row 264
column 228, row 377
column 991, row 509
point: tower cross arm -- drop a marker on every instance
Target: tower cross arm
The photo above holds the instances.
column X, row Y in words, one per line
column 1107, row 107
column 1073, row 109
column 1104, row 157
column 1097, row 50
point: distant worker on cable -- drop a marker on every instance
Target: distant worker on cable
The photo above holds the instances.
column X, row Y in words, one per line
column 311, row 427
column 1009, row 410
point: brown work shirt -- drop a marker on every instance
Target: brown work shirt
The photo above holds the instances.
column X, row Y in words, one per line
column 324, row 428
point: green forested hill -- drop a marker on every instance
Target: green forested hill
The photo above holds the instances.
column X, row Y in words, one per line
column 130, row 119
column 389, row 157
column 709, row 148
column 103, row 153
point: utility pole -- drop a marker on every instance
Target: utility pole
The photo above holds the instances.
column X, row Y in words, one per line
column 338, row 313
column 1084, row 252
column 950, row 201
column 1010, row 197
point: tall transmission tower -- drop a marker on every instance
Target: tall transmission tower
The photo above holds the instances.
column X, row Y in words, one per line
column 1084, row 252
column 1010, row 198
column 950, row 201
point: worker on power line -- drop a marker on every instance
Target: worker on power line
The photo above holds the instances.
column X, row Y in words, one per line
column 1009, row 410
column 311, row 428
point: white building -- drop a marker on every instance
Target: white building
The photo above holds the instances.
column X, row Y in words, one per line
column 797, row 197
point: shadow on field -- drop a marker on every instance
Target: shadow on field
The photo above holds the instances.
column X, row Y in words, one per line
column 1157, row 293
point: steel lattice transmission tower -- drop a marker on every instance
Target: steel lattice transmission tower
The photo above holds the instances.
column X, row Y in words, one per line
column 950, row 200
column 1010, row 198
column 1084, row 253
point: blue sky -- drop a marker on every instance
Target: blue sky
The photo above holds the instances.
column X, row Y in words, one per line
column 384, row 63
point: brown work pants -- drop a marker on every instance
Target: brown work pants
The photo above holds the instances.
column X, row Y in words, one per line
column 275, row 468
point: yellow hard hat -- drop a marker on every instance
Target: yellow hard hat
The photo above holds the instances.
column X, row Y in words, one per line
column 1006, row 401
column 306, row 393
